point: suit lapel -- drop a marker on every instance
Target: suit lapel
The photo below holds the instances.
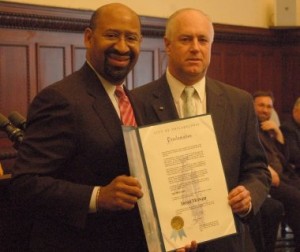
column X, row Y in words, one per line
column 165, row 109
column 163, row 103
column 103, row 106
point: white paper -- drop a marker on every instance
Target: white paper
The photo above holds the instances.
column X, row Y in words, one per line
column 179, row 167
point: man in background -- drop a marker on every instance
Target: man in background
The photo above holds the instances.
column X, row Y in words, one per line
column 291, row 132
column 285, row 182
column 188, row 40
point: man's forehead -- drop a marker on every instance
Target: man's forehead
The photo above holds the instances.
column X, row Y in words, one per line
column 120, row 30
column 192, row 33
column 264, row 100
column 121, row 25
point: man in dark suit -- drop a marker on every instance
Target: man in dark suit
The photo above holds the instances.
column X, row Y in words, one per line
column 285, row 182
column 72, row 169
column 188, row 40
column 291, row 131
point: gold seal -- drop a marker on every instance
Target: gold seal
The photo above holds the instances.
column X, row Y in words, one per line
column 177, row 223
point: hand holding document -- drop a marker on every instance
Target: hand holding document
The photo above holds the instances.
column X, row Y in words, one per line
column 185, row 192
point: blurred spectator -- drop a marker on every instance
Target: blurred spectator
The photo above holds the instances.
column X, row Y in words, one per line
column 285, row 182
column 291, row 132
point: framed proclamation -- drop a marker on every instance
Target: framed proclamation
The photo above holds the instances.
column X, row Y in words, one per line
column 185, row 193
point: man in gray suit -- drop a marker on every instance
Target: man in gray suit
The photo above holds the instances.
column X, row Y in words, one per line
column 72, row 169
column 188, row 40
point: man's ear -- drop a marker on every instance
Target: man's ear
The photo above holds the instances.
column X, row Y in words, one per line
column 167, row 44
column 88, row 33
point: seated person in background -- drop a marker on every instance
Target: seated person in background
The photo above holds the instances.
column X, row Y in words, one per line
column 285, row 182
column 291, row 132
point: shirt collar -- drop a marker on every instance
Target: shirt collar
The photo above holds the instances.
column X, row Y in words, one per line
column 177, row 87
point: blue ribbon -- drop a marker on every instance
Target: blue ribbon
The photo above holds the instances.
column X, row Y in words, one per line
column 179, row 233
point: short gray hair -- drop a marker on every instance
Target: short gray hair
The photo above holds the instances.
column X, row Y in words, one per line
column 176, row 13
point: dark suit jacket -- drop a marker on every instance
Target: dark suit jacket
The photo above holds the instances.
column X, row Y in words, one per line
column 276, row 157
column 236, row 129
column 291, row 132
column 73, row 142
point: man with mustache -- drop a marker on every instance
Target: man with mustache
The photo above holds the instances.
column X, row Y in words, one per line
column 72, row 169
column 188, row 40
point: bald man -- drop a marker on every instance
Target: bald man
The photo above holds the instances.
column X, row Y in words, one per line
column 72, row 170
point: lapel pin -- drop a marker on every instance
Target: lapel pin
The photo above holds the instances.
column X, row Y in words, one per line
column 161, row 108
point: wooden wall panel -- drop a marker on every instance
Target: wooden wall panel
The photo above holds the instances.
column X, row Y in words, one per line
column 14, row 77
column 232, row 68
column 250, row 63
column 250, row 67
column 151, row 64
column 270, row 77
column 154, row 42
column 52, row 64
column 268, row 71
column 143, row 71
column 291, row 80
column 78, row 57
column 215, row 69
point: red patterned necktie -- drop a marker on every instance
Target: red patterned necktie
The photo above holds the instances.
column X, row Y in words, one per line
column 126, row 111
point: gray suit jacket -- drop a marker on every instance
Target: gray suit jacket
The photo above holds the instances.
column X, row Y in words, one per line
column 73, row 142
column 236, row 130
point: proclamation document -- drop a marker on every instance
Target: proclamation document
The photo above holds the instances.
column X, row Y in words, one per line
column 185, row 192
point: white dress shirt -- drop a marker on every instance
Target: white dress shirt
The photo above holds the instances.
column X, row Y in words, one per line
column 199, row 97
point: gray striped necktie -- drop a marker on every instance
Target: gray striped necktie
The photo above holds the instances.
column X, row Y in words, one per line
column 188, row 105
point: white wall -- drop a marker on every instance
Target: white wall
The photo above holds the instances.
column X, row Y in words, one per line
column 255, row 13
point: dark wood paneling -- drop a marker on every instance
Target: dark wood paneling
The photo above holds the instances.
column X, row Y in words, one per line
column 232, row 68
column 143, row 72
column 291, row 79
column 51, row 64
column 250, row 70
column 216, row 69
column 14, row 77
column 78, row 57
column 268, row 70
